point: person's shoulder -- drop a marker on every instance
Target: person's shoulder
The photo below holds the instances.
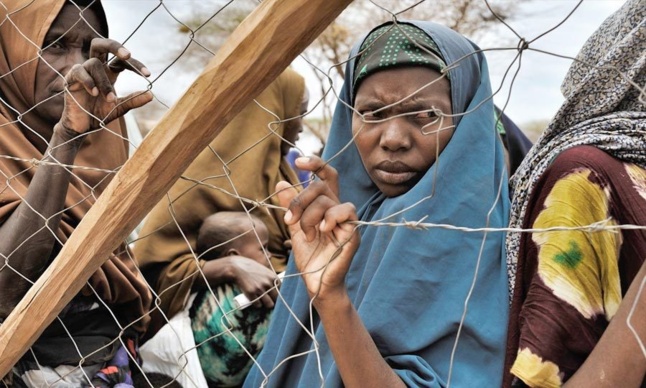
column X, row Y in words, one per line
column 583, row 157
column 582, row 154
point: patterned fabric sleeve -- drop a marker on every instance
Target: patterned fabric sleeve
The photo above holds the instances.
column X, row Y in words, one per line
column 576, row 278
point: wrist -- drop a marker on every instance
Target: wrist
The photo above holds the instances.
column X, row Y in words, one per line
column 331, row 299
column 63, row 135
column 228, row 273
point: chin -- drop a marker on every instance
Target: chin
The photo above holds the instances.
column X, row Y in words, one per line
column 395, row 190
column 391, row 192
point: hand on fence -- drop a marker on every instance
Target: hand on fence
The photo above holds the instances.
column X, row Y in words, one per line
column 90, row 97
column 323, row 242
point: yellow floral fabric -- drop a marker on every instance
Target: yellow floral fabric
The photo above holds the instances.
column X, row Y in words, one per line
column 580, row 267
column 531, row 367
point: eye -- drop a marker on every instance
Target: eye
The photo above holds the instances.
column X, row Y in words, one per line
column 54, row 45
column 372, row 115
column 425, row 117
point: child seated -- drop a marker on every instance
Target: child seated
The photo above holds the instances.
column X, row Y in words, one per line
column 224, row 332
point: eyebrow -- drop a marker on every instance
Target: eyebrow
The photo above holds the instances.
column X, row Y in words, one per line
column 54, row 33
column 414, row 102
column 63, row 36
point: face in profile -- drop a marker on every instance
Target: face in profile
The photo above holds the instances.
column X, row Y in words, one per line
column 251, row 246
column 294, row 127
column 66, row 44
column 399, row 143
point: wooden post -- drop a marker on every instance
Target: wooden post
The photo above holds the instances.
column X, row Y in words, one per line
column 254, row 55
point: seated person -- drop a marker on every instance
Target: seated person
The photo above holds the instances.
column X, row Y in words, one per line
column 226, row 335
column 236, row 172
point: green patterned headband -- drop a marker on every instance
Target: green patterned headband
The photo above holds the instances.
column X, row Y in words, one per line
column 396, row 45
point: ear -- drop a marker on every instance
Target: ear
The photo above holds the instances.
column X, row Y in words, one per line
column 232, row 252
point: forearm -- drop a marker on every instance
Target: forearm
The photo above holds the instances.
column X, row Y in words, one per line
column 617, row 359
column 357, row 357
column 27, row 237
column 216, row 272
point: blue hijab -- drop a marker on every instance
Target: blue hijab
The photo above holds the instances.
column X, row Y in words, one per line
column 409, row 286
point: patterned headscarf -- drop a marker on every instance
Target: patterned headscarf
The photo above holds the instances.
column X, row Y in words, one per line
column 396, row 45
column 603, row 108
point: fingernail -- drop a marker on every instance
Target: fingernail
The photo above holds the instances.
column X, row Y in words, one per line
column 322, row 225
column 95, row 91
column 288, row 216
column 110, row 97
column 145, row 71
column 302, row 159
column 123, row 52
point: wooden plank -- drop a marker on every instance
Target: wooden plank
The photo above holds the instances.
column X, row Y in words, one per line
column 254, row 55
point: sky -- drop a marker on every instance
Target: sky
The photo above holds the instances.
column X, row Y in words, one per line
column 535, row 94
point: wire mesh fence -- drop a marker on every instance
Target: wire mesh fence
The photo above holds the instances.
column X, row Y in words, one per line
column 188, row 297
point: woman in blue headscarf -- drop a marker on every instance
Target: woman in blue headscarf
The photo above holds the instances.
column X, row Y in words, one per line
column 405, row 306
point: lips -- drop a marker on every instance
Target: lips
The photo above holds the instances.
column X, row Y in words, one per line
column 394, row 173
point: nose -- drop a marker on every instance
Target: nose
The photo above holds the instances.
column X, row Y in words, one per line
column 73, row 57
column 78, row 55
column 395, row 136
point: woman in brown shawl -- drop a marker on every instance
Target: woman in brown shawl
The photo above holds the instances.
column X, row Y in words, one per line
column 55, row 85
column 244, row 162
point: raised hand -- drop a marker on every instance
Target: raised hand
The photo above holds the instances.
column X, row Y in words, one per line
column 323, row 242
column 90, row 96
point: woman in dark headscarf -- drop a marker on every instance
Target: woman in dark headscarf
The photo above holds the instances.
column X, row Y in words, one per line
column 420, row 145
column 44, row 104
column 588, row 167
